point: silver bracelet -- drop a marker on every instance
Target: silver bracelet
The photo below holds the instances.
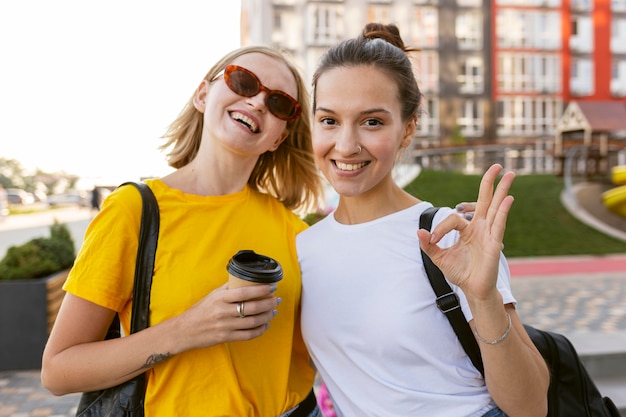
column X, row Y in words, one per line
column 498, row 340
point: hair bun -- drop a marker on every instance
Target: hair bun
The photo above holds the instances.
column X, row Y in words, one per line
column 389, row 33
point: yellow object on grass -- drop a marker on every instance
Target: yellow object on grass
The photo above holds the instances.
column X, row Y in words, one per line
column 619, row 174
column 615, row 200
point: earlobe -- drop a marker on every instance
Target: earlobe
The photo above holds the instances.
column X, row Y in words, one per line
column 199, row 99
column 409, row 132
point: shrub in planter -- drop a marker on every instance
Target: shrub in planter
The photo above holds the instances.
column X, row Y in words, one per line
column 39, row 257
column 31, row 277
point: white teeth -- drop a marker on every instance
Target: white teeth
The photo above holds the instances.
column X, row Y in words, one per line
column 349, row 167
column 246, row 120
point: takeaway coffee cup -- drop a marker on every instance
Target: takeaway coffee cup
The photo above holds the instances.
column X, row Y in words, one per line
column 249, row 268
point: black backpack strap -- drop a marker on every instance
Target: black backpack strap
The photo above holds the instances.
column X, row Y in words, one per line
column 447, row 300
column 144, row 266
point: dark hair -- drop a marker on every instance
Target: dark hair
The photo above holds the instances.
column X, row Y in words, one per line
column 382, row 47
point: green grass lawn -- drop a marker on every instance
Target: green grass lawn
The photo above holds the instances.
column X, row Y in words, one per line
column 538, row 224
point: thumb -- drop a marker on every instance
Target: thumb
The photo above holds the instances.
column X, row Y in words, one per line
column 431, row 249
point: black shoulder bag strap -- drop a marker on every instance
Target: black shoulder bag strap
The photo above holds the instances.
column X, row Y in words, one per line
column 144, row 265
column 447, row 300
column 127, row 398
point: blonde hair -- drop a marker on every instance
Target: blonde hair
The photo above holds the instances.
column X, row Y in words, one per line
column 289, row 173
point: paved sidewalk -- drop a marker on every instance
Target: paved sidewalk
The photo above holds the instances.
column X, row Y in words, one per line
column 21, row 395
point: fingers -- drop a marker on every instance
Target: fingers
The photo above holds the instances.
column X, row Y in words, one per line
column 485, row 191
column 249, row 308
column 428, row 241
column 466, row 209
column 252, row 318
column 489, row 201
column 226, row 315
column 248, row 293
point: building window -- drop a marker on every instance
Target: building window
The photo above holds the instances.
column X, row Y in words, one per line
column 424, row 27
column 378, row 14
column 581, row 5
column 326, row 27
column 527, row 116
column 285, row 22
column 471, row 120
column 582, row 34
column 536, row 3
column 581, row 83
column 469, row 3
column 528, row 29
column 429, row 118
column 618, row 5
column 469, row 30
column 529, row 72
column 426, row 65
column 471, row 75
column 618, row 35
column 618, row 78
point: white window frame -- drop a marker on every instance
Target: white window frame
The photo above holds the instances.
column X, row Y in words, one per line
column 426, row 65
column 428, row 123
column 325, row 24
column 529, row 72
column 581, row 81
column 469, row 29
column 618, row 5
column 378, row 13
column 527, row 116
column 471, row 75
column 582, row 40
column 534, row 29
column 618, row 35
column 425, row 27
column 471, row 120
column 618, row 77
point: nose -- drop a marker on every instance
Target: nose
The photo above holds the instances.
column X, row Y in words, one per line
column 347, row 142
column 257, row 102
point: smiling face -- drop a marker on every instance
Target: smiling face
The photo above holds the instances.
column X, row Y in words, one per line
column 358, row 129
column 244, row 124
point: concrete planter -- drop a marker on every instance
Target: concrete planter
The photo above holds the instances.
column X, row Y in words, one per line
column 28, row 309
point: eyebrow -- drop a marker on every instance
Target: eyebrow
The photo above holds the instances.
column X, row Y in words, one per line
column 363, row 113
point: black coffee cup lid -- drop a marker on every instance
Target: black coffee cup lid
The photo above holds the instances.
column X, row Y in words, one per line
column 251, row 266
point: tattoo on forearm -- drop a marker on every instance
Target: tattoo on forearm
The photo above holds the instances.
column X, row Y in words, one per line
column 155, row 359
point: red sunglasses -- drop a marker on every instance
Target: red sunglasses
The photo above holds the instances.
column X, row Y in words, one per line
column 243, row 82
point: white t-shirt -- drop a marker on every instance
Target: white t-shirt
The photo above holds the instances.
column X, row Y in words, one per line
column 372, row 327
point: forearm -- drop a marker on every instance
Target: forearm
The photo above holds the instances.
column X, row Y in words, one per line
column 515, row 373
column 101, row 364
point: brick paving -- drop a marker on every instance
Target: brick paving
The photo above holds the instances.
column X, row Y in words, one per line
column 21, row 395
column 573, row 303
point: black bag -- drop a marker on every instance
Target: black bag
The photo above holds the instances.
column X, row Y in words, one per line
column 572, row 392
column 127, row 398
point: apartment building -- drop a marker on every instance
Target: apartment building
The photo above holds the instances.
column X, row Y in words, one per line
column 492, row 72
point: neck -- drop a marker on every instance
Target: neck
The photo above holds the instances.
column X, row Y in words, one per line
column 373, row 205
column 209, row 176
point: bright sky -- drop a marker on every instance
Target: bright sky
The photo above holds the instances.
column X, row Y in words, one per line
column 89, row 87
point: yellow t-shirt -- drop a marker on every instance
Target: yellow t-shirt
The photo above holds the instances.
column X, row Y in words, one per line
column 262, row 377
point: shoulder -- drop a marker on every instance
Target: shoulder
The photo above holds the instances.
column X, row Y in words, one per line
column 125, row 198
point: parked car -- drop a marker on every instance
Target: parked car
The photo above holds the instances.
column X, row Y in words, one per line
column 69, row 198
column 19, row 196
column 4, row 203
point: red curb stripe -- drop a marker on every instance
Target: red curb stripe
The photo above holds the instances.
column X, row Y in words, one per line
column 567, row 266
